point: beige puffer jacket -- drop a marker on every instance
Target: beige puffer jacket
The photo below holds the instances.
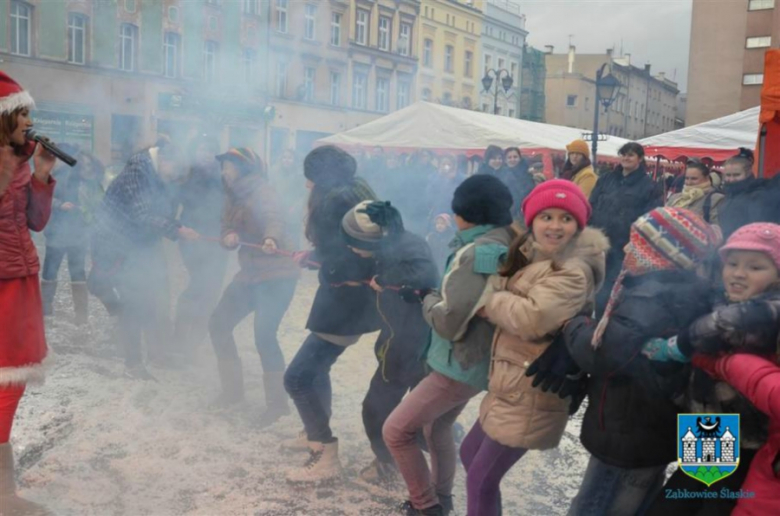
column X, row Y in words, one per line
column 533, row 305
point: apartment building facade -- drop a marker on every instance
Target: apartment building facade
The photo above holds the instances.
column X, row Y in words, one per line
column 502, row 44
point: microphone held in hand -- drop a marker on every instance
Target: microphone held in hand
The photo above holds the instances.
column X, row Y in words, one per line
column 52, row 148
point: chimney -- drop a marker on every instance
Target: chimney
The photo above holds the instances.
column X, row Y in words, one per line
column 572, row 51
column 662, row 76
column 647, row 68
column 609, row 52
column 549, row 49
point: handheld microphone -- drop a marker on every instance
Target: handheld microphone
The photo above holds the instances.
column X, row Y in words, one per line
column 52, row 148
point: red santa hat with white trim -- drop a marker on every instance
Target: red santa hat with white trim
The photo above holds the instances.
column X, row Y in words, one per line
column 13, row 96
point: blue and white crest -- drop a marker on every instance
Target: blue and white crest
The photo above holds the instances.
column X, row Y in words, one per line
column 708, row 445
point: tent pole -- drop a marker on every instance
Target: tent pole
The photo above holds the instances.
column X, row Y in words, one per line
column 762, row 151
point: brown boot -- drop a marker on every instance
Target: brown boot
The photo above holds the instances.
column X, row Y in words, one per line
column 231, row 376
column 276, row 403
column 80, row 295
column 48, row 289
column 10, row 503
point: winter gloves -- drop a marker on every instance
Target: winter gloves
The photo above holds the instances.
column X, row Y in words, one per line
column 555, row 371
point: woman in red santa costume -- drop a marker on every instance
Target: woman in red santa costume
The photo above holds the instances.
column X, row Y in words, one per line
column 25, row 204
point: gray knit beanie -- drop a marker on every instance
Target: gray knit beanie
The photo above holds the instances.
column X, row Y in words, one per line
column 359, row 231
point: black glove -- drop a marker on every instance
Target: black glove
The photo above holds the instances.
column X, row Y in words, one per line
column 578, row 391
column 555, row 370
column 413, row 295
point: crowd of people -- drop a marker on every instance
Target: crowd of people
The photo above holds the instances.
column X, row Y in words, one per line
column 478, row 277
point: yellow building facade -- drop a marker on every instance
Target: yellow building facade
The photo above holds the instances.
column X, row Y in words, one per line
column 448, row 49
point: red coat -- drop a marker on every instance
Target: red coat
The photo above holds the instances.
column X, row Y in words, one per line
column 757, row 379
column 25, row 205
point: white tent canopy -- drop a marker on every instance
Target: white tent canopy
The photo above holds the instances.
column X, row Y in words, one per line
column 717, row 139
column 424, row 125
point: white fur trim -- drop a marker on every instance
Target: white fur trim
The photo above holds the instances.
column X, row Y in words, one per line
column 34, row 374
column 15, row 101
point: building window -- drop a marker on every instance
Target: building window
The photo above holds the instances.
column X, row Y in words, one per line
column 309, row 75
column 485, row 108
column 127, row 36
column 758, row 5
column 571, row 100
column 359, row 90
column 403, row 94
column 467, row 63
column 249, row 63
column 447, row 99
column 310, row 23
column 361, row 27
column 384, row 33
column 405, row 39
column 171, row 45
column 511, row 113
column 428, row 53
column 501, row 63
column 488, row 62
column 250, row 6
column 281, row 79
column 173, row 14
column 281, row 16
column 449, row 65
column 426, row 94
column 77, row 32
column 21, row 14
column 210, row 49
column 752, row 79
column 213, row 23
column 335, row 88
column 335, row 29
column 513, row 71
column 382, row 97
column 759, row 42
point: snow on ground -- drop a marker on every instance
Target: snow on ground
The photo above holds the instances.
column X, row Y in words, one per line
column 90, row 442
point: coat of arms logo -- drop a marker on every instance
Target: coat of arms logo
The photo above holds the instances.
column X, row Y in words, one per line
column 708, row 445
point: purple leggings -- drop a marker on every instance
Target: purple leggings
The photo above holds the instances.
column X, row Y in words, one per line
column 486, row 463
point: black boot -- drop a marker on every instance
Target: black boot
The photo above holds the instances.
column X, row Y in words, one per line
column 276, row 403
column 48, row 289
column 408, row 509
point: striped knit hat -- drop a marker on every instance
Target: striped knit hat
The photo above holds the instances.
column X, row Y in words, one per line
column 247, row 160
column 13, row 96
column 661, row 240
column 367, row 224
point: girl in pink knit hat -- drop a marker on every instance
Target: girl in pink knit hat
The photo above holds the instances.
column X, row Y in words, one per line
column 735, row 352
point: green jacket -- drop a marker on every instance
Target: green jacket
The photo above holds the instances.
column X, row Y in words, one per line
column 460, row 341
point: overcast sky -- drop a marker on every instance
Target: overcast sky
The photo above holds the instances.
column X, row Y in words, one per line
column 656, row 32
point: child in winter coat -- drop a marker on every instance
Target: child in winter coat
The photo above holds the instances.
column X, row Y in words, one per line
column 551, row 275
column 265, row 284
column 747, row 323
column 76, row 199
column 439, row 239
column 629, row 422
column 344, row 307
column 459, row 351
column 25, row 204
column 403, row 263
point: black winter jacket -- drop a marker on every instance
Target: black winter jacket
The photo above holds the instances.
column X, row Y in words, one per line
column 339, row 309
column 404, row 261
column 631, row 419
column 202, row 197
column 748, row 201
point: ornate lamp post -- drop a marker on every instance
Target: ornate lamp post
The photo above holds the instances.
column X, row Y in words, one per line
column 502, row 75
column 606, row 93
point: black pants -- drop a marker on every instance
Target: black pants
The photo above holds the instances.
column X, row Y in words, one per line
column 664, row 506
column 77, row 258
column 206, row 265
column 398, row 372
column 269, row 301
column 141, row 284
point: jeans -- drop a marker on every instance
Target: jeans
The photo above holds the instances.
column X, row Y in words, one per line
column 269, row 301
column 432, row 406
column 611, row 491
column 206, row 267
column 307, row 381
column 486, row 463
column 141, row 284
column 77, row 257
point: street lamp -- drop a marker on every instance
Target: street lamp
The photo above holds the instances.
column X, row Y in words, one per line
column 606, row 93
column 506, row 82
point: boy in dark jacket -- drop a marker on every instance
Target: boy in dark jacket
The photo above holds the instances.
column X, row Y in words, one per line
column 628, row 427
column 375, row 229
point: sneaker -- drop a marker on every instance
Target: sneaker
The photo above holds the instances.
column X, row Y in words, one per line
column 138, row 372
column 322, row 465
column 447, row 504
column 298, row 443
column 379, row 473
column 408, row 510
